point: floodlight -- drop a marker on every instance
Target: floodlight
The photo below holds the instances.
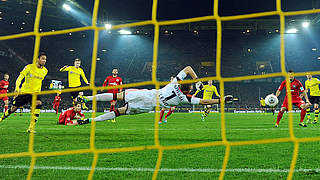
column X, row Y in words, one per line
column 305, row 24
column 108, row 26
column 124, row 32
column 66, row 7
column 292, row 30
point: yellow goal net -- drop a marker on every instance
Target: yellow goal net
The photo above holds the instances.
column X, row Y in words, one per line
column 156, row 146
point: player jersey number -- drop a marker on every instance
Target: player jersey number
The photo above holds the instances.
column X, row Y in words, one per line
column 165, row 99
column 171, row 96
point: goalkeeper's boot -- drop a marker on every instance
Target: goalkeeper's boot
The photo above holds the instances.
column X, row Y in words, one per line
column 276, row 125
column 302, row 124
column 113, row 120
column 315, row 122
column 228, row 99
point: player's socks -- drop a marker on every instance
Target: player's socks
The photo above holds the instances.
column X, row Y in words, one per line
column 161, row 115
column 308, row 113
column 5, row 108
column 103, row 97
column 5, row 114
column 316, row 115
column 112, row 107
column 280, row 114
column 169, row 113
column 302, row 115
column 35, row 117
column 203, row 116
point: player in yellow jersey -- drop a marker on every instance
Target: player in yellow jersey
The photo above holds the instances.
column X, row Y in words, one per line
column 263, row 105
column 208, row 91
column 33, row 74
column 314, row 98
column 74, row 73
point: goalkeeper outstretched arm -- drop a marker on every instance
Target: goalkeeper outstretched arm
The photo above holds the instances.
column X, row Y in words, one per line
column 227, row 99
column 189, row 71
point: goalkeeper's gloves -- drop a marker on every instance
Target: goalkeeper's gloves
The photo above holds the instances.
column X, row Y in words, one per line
column 199, row 85
column 228, row 99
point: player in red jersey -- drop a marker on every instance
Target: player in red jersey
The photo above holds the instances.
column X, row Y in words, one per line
column 113, row 81
column 67, row 117
column 4, row 84
column 56, row 102
column 296, row 88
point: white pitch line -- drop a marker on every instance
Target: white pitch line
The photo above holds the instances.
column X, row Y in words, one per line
column 175, row 129
column 211, row 129
column 246, row 170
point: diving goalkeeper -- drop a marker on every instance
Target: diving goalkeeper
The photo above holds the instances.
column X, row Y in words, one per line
column 144, row 100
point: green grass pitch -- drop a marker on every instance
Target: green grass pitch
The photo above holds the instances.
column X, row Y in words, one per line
column 263, row 161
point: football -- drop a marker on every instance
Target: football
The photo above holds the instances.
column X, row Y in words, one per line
column 271, row 100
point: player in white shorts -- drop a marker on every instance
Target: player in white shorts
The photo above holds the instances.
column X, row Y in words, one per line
column 142, row 100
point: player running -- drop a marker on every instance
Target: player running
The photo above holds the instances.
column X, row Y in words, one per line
column 263, row 105
column 56, row 102
column 208, row 91
column 74, row 73
column 143, row 100
column 4, row 84
column 296, row 88
column 68, row 116
column 314, row 98
column 33, row 75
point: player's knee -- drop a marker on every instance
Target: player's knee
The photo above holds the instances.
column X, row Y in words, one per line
column 283, row 109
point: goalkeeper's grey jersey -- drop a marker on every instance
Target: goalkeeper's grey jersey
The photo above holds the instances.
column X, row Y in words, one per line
column 171, row 95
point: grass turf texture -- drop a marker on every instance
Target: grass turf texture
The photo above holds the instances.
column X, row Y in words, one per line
column 137, row 130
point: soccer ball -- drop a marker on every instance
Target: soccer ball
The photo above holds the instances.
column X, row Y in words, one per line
column 271, row 100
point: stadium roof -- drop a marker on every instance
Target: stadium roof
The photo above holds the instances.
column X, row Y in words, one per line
column 18, row 15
